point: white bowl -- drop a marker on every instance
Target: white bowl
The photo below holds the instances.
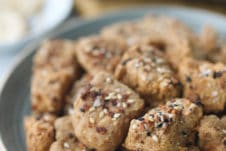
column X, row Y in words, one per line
column 51, row 15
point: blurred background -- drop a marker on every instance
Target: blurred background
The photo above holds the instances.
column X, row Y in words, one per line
column 22, row 21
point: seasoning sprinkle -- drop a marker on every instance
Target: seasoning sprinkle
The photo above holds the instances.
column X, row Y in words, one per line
column 91, row 120
column 116, row 116
column 130, row 101
column 66, row 145
column 217, row 74
column 148, row 133
column 155, row 138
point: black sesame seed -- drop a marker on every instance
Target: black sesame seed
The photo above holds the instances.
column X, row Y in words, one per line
column 217, row 74
column 148, row 133
column 188, row 79
column 70, row 135
column 159, row 125
column 140, row 118
column 151, row 115
column 114, row 103
column 198, row 102
column 124, row 62
column 184, row 133
column 166, row 120
column 82, row 110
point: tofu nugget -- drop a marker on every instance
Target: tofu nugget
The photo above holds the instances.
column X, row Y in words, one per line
column 55, row 68
column 166, row 33
column 65, row 137
column 212, row 134
column 39, row 132
column 103, row 111
column 97, row 53
column 164, row 128
column 57, row 55
column 73, row 94
column 146, row 70
column 206, row 82
column 49, row 89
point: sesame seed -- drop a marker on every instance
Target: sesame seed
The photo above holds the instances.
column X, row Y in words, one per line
column 164, row 83
column 224, row 131
column 105, row 111
column 101, row 114
column 119, row 96
column 217, row 74
column 134, row 126
column 148, row 133
column 214, row 93
column 130, row 101
column 91, row 120
column 145, row 126
column 118, row 104
column 97, row 102
column 101, row 130
column 124, row 105
column 92, row 109
column 66, row 145
column 117, row 90
column 155, row 138
column 159, row 60
column 116, row 115
column 71, row 111
column 82, row 110
column 109, row 80
column 161, row 70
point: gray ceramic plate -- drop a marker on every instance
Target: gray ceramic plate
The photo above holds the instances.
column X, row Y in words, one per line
column 14, row 94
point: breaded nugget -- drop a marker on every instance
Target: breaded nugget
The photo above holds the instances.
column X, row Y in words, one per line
column 55, row 68
column 218, row 54
column 39, row 132
column 175, row 36
column 57, row 55
column 131, row 32
column 164, row 128
column 48, row 90
column 206, row 82
column 96, row 53
column 65, row 138
column 190, row 148
column 76, row 88
column 212, row 134
column 103, row 111
column 209, row 46
column 166, row 33
column 146, row 70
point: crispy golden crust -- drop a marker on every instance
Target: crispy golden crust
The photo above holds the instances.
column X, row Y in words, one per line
column 205, row 82
column 65, row 138
column 96, row 53
column 146, row 70
column 55, row 68
column 212, row 133
column 39, row 132
column 103, row 111
column 165, row 127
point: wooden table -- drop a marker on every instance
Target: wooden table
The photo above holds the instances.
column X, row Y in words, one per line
column 90, row 8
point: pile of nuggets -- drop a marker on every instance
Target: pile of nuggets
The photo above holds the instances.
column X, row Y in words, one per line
column 146, row 85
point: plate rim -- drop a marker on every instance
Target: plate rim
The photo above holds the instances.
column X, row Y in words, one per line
column 30, row 48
